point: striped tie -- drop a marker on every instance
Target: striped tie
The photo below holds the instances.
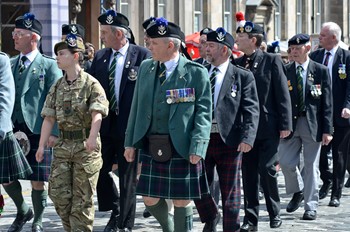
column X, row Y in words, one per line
column 22, row 66
column 161, row 73
column 300, row 88
column 212, row 83
column 113, row 100
column 326, row 60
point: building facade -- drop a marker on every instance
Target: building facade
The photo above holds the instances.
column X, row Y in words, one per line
column 281, row 19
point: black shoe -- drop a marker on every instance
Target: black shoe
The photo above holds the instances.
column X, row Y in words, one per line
column 334, row 202
column 112, row 224
column 347, row 184
column 125, row 230
column 310, row 215
column 248, row 228
column 211, row 226
column 294, row 204
column 37, row 228
column 324, row 190
column 146, row 213
column 261, row 195
column 275, row 222
column 20, row 220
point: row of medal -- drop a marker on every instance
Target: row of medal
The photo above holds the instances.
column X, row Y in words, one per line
column 180, row 95
column 316, row 90
column 342, row 71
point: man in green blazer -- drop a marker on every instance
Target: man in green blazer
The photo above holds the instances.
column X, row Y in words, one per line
column 172, row 99
column 34, row 74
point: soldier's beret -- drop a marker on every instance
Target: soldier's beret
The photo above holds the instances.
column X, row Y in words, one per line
column 220, row 35
column 29, row 22
column 147, row 22
column 205, row 31
column 72, row 43
column 250, row 27
column 161, row 28
column 75, row 29
column 299, row 39
column 113, row 18
column 274, row 47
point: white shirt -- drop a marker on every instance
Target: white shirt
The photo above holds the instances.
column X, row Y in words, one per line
column 171, row 65
column 30, row 57
column 219, row 78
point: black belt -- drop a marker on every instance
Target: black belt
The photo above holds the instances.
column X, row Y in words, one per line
column 302, row 114
column 75, row 135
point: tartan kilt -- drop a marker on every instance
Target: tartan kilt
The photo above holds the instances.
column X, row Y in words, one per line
column 174, row 179
column 13, row 163
column 41, row 171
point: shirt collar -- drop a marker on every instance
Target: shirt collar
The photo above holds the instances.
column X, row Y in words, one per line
column 122, row 50
column 332, row 51
column 173, row 62
column 222, row 67
column 304, row 65
column 31, row 55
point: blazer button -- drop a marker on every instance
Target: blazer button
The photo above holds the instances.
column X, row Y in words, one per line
column 295, row 117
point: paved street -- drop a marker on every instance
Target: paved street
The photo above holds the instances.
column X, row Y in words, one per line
column 329, row 218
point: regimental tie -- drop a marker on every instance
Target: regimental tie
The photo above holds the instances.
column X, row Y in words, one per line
column 161, row 73
column 326, row 60
column 247, row 63
column 212, row 83
column 22, row 66
column 113, row 100
column 301, row 104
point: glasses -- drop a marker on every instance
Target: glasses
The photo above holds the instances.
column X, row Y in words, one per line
column 19, row 34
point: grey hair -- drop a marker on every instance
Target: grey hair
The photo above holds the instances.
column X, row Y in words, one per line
column 177, row 42
column 122, row 29
column 229, row 51
column 334, row 29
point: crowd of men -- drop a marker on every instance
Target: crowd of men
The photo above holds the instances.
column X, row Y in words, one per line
column 174, row 128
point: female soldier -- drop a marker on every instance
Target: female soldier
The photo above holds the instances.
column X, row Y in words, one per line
column 77, row 102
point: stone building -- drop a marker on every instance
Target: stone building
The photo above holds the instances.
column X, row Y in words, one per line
column 281, row 19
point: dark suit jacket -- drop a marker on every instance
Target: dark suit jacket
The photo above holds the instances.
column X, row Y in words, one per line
column 274, row 99
column 340, row 87
column 238, row 116
column 319, row 111
column 99, row 69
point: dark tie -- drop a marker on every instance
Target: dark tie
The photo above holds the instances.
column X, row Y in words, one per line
column 113, row 99
column 161, row 73
column 300, row 88
column 328, row 54
column 212, row 83
column 247, row 63
column 22, row 66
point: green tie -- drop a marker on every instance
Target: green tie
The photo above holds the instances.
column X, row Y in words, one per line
column 22, row 66
column 161, row 73
column 113, row 100
column 300, row 89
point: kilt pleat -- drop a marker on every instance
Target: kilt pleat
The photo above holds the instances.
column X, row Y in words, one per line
column 174, row 179
column 13, row 163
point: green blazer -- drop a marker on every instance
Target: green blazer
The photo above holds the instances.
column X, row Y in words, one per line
column 189, row 122
column 43, row 72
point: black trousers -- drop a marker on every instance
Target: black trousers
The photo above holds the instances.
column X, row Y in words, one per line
column 262, row 159
column 325, row 170
column 107, row 192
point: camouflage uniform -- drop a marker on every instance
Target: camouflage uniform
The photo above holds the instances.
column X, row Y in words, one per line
column 75, row 171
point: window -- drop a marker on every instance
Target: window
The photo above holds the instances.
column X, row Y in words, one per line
column 278, row 20
column 161, row 8
column 318, row 16
column 197, row 21
column 227, row 15
column 123, row 8
column 299, row 17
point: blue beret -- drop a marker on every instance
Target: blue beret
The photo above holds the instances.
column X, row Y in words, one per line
column 110, row 17
column 250, row 27
column 75, row 29
column 29, row 22
column 299, row 39
column 220, row 35
column 161, row 28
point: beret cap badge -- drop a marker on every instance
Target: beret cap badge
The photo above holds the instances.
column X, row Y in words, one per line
column 162, row 23
column 110, row 16
column 74, row 30
column 71, row 41
column 221, row 33
column 248, row 28
column 28, row 20
column 298, row 40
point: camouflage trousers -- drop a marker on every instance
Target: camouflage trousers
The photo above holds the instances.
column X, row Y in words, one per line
column 72, row 183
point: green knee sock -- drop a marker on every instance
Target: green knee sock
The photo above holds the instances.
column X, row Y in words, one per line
column 183, row 219
column 160, row 212
column 39, row 199
column 14, row 190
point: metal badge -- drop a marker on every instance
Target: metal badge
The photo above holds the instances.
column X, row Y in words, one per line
column 132, row 75
column 23, row 142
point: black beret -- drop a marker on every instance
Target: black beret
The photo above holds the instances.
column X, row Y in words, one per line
column 221, row 36
column 161, row 28
column 113, row 18
column 29, row 22
column 147, row 22
column 75, row 29
column 250, row 27
column 274, row 47
column 71, row 42
column 205, row 31
column 299, row 39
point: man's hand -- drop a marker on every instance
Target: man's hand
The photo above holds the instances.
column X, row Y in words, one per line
column 345, row 113
column 284, row 134
column 244, row 147
column 326, row 139
column 129, row 154
column 194, row 159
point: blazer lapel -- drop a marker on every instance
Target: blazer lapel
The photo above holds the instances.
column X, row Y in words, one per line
column 227, row 83
column 311, row 72
column 292, row 74
column 338, row 59
column 130, row 54
column 258, row 58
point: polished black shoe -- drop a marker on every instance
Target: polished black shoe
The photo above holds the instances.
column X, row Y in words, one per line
column 112, row 224
column 20, row 220
column 146, row 214
column 310, row 215
column 347, row 184
column 334, row 202
column 211, row 226
column 294, row 204
column 324, row 190
column 275, row 222
column 248, row 228
column 37, row 228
